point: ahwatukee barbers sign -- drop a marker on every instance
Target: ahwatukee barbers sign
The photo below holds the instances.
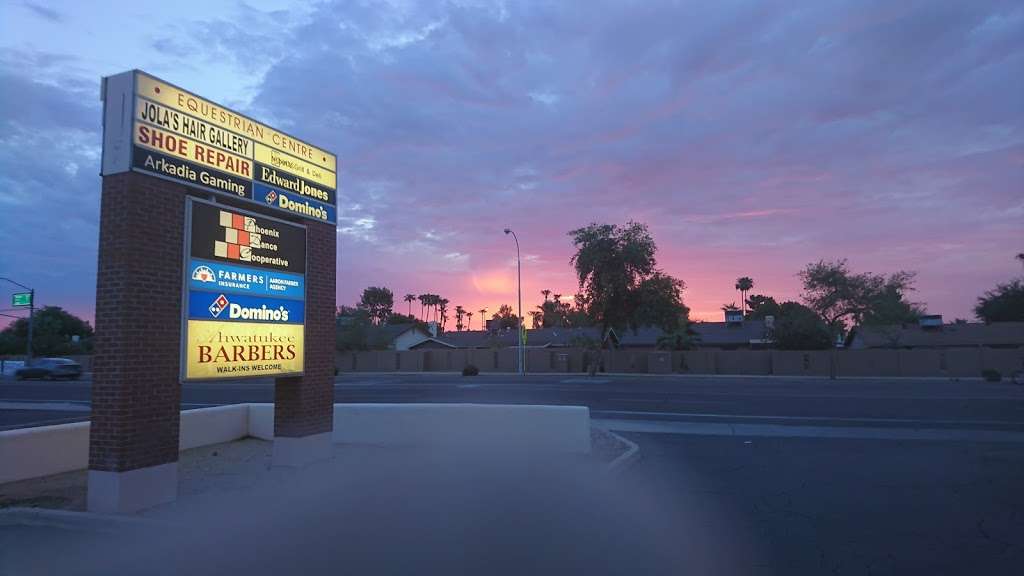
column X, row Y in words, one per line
column 244, row 273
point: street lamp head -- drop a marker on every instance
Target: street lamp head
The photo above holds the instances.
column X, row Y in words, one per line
column 507, row 231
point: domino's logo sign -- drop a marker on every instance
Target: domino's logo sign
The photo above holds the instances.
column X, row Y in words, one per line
column 218, row 306
column 271, row 197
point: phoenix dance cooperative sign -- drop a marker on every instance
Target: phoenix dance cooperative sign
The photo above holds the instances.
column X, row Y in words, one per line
column 154, row 127
column 245, row 294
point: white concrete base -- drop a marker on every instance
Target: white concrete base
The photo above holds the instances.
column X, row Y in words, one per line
column 297, row 452
column 134, row 490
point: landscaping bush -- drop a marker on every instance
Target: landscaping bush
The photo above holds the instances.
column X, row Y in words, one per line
column 991, row 375
column 470, row 370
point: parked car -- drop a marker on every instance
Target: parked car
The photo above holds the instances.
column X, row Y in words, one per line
column 50, row 369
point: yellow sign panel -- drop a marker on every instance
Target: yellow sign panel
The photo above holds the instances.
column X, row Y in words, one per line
column 242, row 349
column 193, row 128
column 189, row 103
column 186, row 149
column 274, row 158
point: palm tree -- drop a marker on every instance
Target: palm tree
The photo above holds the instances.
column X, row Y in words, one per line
column 424, row 300
column 442, row 304
column 409, row 298
column 460, row 313
column 536, row 318
column 744, row 285
column 469, row 320
column 546, row 293
column 483, row 318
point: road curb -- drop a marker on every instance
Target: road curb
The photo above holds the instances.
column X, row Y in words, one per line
column 74, row 520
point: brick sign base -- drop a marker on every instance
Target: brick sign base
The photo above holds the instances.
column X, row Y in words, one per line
column 136, row 390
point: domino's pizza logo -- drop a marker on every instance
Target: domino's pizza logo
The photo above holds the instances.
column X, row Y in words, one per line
column 218, row 306
column 271, row 196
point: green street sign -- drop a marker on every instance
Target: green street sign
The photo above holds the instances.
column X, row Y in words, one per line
column 21, row 299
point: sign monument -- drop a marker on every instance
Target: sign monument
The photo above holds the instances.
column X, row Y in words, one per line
column 216, row 261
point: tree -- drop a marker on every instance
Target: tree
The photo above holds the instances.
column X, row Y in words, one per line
column 352, row 326
column 659, row 302
column 744, row 285
column 483, row 317
column 1004, row 303
column 800, row 328
column 535, row 318
column 410, row 298
column 460, row 313
column 611, row 262
column 888, row 307
column 53, row 329
column 423, row 298
column 546, row 293
column 683, row 338
column 838, row 295
column 469, row 320
column 760, row 306
column 378, row 302
column 442, row 305
column 730, row 307
column 505, row 317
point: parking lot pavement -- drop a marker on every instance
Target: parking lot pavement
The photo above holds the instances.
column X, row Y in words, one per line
column 847, row 506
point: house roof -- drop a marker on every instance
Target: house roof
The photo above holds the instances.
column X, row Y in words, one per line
column 912, row 335
column 709, row 334
column 384, row 336
column 539, row 338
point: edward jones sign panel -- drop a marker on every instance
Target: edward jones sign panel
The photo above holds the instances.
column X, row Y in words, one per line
column 154, row 127
column 244, row 294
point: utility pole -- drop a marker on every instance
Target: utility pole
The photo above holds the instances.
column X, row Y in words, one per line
column 31, row 313
column 519, row 288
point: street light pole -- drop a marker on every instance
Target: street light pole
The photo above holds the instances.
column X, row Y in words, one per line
column 31, row 312
column 519, row 289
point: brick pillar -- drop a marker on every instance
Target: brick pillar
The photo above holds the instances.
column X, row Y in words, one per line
column 304, row 405
column 136, row 392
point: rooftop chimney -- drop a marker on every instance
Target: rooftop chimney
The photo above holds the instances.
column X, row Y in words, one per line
column 432, row 328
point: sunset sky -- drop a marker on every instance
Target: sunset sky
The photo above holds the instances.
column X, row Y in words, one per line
column 752, row 137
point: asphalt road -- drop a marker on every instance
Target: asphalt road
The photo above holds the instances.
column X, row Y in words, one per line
column 734, row 475
column 894, row 402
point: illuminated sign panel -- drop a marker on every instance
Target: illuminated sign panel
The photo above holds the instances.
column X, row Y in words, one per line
column 218, row 277
column 155, row 127
column 244, row 291
column 242, row 349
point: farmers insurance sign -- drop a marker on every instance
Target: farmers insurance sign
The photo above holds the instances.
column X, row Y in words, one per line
column 244, row 294
column 154, row 127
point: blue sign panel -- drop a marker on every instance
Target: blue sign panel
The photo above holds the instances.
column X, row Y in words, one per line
column 244, row 308
column 294, row 203
column 215, row 276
